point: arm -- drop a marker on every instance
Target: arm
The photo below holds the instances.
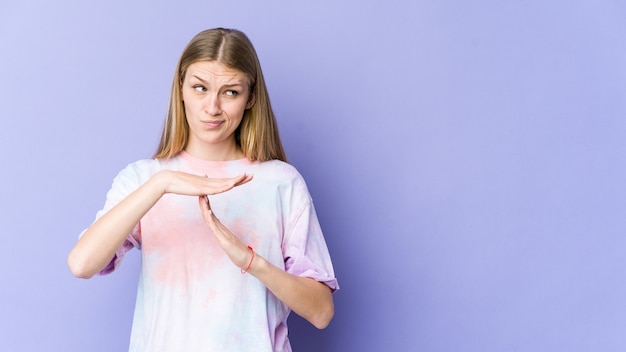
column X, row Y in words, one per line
column 308, row 298
column 97, row 246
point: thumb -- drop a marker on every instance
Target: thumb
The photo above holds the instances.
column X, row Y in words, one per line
column 205, row 206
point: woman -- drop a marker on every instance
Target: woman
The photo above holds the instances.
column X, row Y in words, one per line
column 220, row 155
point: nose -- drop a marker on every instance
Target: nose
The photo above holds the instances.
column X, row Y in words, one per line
column 212, row 105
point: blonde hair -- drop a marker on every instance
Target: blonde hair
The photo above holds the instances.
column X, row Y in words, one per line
column 257, row 134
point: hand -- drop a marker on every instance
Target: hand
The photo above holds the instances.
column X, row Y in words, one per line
column 308, row 298
column 193, row 185
column 236, row 250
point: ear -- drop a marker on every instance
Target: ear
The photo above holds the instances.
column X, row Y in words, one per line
column 251, row 101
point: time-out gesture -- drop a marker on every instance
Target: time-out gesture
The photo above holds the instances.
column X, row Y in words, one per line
column 95, row 249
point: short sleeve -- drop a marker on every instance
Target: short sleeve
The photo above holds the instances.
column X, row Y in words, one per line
column 126, row 182
column 305, row 250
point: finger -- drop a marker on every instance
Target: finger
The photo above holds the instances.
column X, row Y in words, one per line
column 218, row 229
column 207, row 201
column 228, row 184
column 223, row 188
column 245, row 180
column 241, row 179
column 204, row 206
column 214, row 223
column 216, row 189
column 208, row 214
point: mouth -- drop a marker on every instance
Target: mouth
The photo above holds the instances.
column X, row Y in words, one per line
column 212, row 124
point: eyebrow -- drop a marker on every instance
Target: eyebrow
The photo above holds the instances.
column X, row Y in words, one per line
column 225, row 85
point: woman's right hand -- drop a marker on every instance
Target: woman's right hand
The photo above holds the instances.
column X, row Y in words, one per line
column 97, row 246
column 193, row 185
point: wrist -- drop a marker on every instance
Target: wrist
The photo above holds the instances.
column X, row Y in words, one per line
column 159, row 183
column 247, row 266
column 258, row 266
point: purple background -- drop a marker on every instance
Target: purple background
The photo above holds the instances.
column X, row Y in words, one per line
column 467, row 161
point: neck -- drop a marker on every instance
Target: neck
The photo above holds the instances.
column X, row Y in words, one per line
column 216, row 153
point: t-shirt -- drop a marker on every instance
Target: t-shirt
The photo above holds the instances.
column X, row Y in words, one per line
column 191, row 297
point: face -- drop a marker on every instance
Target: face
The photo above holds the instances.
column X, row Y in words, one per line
column 215, row 98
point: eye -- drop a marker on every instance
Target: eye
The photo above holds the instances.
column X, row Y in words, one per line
column 232, row 93
column 199, row 88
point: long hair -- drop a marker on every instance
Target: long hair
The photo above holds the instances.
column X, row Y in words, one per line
column 257, row 134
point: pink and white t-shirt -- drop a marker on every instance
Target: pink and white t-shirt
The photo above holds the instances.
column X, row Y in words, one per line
column 191, row 297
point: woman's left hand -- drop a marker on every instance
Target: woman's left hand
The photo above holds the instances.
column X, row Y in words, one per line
column 308, row 298
column 236, row 250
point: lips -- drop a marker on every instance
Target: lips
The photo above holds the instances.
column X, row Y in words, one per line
column 212, row 124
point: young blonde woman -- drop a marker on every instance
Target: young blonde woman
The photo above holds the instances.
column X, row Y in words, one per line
column 230, row 242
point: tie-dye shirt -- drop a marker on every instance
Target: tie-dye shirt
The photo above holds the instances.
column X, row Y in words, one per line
column 191, row 297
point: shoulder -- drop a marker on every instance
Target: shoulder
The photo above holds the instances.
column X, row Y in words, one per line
column 144, row 166
column 284, row 177
column 139, row 171
column 280, row 171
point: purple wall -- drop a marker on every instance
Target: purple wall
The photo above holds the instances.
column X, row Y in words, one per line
column 467, row 160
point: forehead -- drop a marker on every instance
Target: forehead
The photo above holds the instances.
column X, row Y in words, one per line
column 214, row 71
